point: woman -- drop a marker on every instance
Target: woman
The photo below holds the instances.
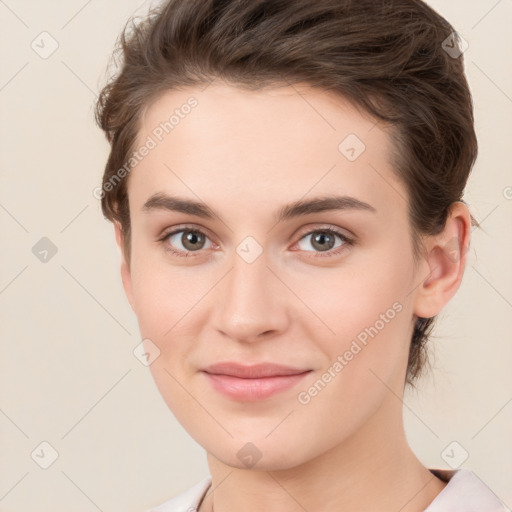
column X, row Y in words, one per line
column 286, row 182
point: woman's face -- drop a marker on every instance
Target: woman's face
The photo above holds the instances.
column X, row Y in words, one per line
column 255, row 286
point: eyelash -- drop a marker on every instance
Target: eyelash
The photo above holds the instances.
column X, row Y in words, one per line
column 347, row 242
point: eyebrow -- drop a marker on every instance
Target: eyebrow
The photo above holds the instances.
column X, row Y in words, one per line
column 161, row 201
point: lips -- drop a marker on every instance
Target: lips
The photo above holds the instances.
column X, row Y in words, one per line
column 255, row 382
column 255, row 371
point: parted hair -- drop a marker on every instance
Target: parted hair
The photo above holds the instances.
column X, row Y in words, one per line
column 388, row 57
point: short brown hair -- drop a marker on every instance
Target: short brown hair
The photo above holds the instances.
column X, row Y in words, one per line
column 386, row 57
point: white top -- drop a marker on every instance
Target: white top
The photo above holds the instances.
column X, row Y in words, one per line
column 465, row 492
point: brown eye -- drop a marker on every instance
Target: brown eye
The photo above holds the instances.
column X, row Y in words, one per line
column 324, row 241
column 185, row 240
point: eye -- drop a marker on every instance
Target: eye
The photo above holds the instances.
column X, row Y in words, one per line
column 324, row 240
column 184, row 241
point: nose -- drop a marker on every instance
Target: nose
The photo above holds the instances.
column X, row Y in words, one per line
column 251, row 303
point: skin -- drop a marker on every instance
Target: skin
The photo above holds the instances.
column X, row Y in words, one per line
column 246, row 154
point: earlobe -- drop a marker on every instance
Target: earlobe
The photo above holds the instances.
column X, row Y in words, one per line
column 444, row 263
column 125, row 269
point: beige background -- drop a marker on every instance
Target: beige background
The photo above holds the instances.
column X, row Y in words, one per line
column 68, row 374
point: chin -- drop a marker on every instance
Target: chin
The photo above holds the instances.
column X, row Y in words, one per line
column 255, row 450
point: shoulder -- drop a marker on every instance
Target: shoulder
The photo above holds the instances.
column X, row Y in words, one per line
column 464, row 492
column 187, row 501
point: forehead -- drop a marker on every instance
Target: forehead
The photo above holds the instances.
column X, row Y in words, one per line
column 231, row 146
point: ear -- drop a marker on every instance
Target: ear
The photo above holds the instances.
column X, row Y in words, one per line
column 125, row 269
column 443, row 265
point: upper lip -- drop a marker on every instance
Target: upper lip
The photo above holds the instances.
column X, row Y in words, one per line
column 254, row 371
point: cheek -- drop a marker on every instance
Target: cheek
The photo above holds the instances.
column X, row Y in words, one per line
column 166, row 304
column 342, row 302
column 169, row 305
column 365, row 358
column 366, row 316
column 164, row 294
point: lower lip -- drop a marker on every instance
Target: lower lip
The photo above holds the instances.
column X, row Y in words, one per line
column 253, row 389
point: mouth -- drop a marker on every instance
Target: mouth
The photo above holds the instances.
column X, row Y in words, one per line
column 252, row 383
